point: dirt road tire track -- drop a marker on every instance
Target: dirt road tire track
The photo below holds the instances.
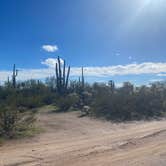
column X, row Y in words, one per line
column 72, row 141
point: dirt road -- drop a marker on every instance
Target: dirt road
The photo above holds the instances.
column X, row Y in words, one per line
column 72, row 141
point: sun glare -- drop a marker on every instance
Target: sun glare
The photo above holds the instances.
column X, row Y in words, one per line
column 153, row 3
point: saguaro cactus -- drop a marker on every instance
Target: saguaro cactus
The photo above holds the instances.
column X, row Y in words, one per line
column 111, row 85
column 82, row 77
column 61, row 78
column 15, row 74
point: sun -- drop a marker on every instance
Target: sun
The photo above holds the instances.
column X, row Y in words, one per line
column 144, row 9
column 147, row 3
column 153, row 3
column 150, row 5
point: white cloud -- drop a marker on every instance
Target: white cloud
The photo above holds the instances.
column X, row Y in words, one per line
column 51, row 62
column 25, row 74
column 50, row 48
column 119, row 84
column 162, row 75
column 130, row 69
column 156, row 80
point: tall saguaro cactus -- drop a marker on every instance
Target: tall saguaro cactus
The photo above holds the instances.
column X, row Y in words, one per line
column 67, row 78
column 15, row 74
column 111, row 85
column 82, row 77
column 61, row 78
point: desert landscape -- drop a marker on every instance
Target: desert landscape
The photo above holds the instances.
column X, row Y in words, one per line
column 82, row 83
column 70, row 140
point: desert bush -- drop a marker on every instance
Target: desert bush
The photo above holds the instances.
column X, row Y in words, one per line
column 29, row 102
column 64, row 103
column 129, row 102
column 13, row 122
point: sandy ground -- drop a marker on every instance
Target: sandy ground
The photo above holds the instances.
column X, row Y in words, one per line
column 72, row 141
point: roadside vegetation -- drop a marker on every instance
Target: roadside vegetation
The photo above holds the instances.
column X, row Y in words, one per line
column 20, row 100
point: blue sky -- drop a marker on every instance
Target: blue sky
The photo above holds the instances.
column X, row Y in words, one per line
column 90, row 33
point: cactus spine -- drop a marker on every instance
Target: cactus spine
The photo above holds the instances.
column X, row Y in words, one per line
column 61, row 78
column 15, row 74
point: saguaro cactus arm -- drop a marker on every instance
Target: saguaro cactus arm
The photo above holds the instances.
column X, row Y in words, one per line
column 61, row 78
column 82, row 77
column 64, row 72
column 57, row 76
column 60, row 72
column 15, row 74
column 67, row 78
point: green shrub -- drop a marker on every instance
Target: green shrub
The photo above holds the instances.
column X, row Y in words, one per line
column 64, row 103
column 13, row 122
